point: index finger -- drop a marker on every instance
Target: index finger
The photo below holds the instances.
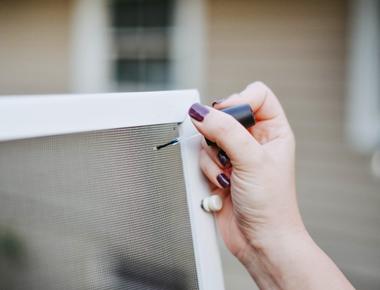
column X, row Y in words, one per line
column 262, row 100
column 227, row 133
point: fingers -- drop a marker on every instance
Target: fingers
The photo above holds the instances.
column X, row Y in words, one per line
column 216, row 102
column 217, row 155
column 212, row 171
column 226, row 132
column 262, row 100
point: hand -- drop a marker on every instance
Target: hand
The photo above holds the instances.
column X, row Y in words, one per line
column 253, row 171
column 258, row 188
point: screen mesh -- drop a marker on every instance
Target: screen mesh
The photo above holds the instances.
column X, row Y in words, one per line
column 97, row 210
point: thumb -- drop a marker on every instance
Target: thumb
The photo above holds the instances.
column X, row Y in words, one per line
column 221, row 128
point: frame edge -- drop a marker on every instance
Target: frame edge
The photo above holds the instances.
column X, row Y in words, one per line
column 206, row 249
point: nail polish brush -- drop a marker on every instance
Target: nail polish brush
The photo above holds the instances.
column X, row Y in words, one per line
column 176, row 141
column 241, row 113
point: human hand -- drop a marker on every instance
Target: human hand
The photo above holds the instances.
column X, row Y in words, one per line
column 253, row 171
column 256, row 180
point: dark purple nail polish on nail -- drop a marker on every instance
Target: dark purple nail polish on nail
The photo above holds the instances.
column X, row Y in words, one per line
column 198, row 112
column 223, row 180
column 223, row 158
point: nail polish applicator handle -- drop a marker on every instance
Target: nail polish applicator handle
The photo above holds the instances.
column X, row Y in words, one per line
column 242, row 113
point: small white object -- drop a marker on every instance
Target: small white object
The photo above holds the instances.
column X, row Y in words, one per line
column 212, row 203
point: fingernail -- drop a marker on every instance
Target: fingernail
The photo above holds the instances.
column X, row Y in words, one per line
column 198, row 112
column 223, row 158
column 217, row 102
column 223, row 180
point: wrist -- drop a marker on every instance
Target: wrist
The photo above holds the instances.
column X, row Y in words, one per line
column 269, row 261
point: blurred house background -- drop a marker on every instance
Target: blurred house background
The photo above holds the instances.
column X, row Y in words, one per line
column 322, row 58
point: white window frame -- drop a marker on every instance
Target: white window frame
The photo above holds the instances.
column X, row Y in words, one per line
column 363, row 79
column 35, row 116
column 91, row 46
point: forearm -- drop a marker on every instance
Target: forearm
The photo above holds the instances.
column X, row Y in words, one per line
column 294, row 262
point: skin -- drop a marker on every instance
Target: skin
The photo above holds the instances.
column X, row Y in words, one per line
column 260, row 222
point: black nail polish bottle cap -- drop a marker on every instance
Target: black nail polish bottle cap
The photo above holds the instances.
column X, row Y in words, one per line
column 242, row 113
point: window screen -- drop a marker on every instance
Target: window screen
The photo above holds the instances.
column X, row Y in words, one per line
column 97, row 210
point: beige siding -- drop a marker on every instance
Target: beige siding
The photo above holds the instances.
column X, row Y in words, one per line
column 34, row 46
column 298, row 48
